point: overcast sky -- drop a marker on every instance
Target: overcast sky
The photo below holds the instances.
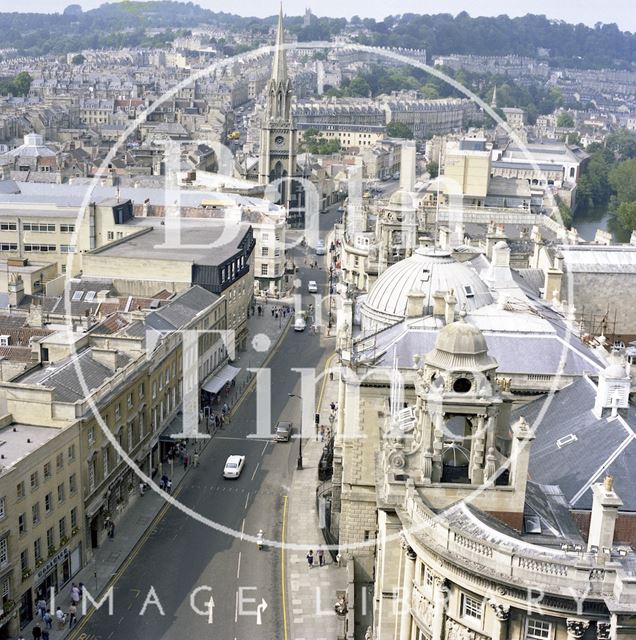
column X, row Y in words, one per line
column 619, row 11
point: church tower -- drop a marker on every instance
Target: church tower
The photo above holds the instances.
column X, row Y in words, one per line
column 278, row 135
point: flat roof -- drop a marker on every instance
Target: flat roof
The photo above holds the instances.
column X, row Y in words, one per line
column 17, row 441
column 207, row 241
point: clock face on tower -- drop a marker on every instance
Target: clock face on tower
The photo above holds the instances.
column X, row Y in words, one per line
column 279, row 140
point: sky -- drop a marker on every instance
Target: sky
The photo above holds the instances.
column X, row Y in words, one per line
column 619, row 11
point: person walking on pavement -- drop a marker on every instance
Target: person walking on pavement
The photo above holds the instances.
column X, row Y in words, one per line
column 60, row 617
column 72, row 615
column 321, row 556
column 48, row 619
column 310, row 559
column 75, row 594
column 185, row 461
column 195, row 459
column 41, row 607
column 37, row 632
column 45, row 634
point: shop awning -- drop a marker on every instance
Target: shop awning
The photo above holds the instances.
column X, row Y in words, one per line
column 217, row 381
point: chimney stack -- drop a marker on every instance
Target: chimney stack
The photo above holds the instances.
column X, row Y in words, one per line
column 605, row 508
column 451, row 303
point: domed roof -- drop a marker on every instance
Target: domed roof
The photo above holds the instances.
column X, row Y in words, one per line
column 428, row 270
column 615, row 372
column 401, row 199
column 460, row 346
column 455, row 455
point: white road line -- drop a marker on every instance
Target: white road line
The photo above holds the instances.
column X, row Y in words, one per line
column 242, row 528
column 236, row 608
column 255, row 470
column 238, row 568
column 247, row 497
column 265, row 447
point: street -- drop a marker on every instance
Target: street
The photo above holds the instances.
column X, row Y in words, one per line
column 183, row 565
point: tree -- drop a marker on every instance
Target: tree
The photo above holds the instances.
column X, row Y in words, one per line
column 433, row 168
column 565, row 120
column 622, row 178
column 626, row 216
column 399, row 130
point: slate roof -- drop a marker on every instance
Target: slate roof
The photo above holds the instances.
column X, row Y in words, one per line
column 179, row 311
column 602, row 446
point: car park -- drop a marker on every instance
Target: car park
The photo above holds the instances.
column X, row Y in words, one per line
column 233, row 466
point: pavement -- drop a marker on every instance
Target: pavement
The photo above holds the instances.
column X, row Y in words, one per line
column 311, row 591
column 137, row 522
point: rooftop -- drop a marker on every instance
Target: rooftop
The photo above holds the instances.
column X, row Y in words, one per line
column 17, row 441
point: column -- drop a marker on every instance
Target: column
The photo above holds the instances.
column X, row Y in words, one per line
column 576, row 628
column 502, row 613
column 341, row 404
column 407, row 591
column 439, row 609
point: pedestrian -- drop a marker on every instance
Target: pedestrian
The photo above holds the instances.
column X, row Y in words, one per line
column 60, row 617
column 45, row 634
column 185, row 462
column 37, row 632
column 81, row 589
column 195, row 459
column 72, row 616
column 111, row 529
column 321, row 556
column 75, row 594
column 48, row 619
column 41, row 606
column 338, row 559
column 260, row 310
column 333, row 406
column 310, row 558
column 322, row 439
column 142, row 488
column 273, row 311
column 169, row 485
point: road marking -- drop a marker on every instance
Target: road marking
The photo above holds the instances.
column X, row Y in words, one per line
column 242, row 528
column 282, row 567
column 255, row 470
column 265, row 447
column 249, row 437
column 238, row 568
column 236, row 608
column 247, row 497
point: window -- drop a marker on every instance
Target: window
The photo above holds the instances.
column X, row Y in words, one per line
column 67, row 228
column 471, row 607
column 35, row 481
column 105, row 461
column 22, row 524
column 67, row 248
column 154, row 390
column 71, row 452
column 91, row 475
column 2, row 512
column 44, row 248
column 60, row 492
column 24, row 560
column 538, row 629
column 35, row 513
column 62, row 527
column 8, row 226
column 37, row 550
column 265, row 252
column 4, row 552
column 39, row 227
column 72, row 484
column 428, row 577
column 117, row 411
column 264, row 269
column 48, row 502
column 50, row 538
column 47, row 470
column 19, row 489
column 110, row 235
column 91, row 435
column 59, row 461
column 129, row 400
column 8, row 246
column 141, row 391
column 74, row 518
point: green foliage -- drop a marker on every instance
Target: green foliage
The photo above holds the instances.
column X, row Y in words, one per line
column 565, row 120
column 399, row 130
column 565, row 213
column 622, row 178
column 622, row 143
column 626, row 216
column 313, row 142
column 17, row 86
column 433, row 168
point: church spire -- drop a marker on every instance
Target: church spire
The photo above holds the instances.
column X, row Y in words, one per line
column 279, row 68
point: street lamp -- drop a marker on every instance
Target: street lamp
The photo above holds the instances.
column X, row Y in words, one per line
column 299, row 464
column 330, row 322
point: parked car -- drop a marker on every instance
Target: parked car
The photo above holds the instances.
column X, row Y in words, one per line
column 233, row 466
column 312, row 287
column 283, row 431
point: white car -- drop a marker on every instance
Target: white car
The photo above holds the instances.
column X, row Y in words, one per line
column 320, row 248
column 312, row 287
column 299, row 323
column 233, row 466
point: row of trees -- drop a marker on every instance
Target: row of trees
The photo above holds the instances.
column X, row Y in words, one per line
column 314, row 142
column 609, row 180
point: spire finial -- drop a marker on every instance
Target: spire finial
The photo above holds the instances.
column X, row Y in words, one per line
column 279, row 68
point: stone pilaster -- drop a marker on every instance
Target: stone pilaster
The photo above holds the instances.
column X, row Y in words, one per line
column 407, row 591
column 502, row 613
column 439, row 609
